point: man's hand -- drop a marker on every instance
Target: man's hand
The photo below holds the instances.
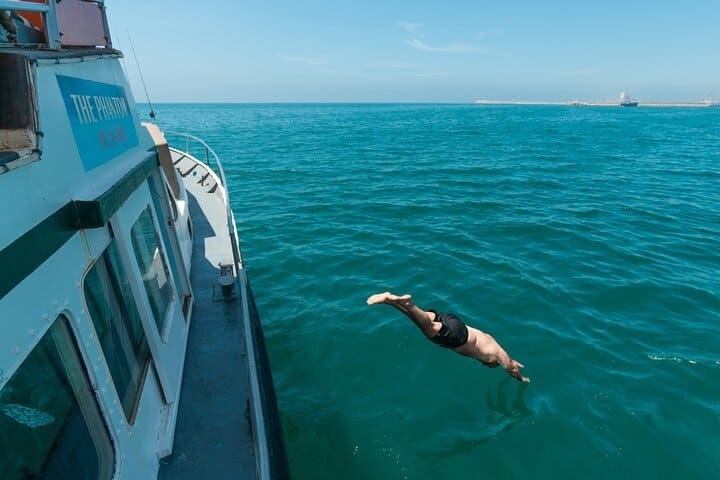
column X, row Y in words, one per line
column 514, row 370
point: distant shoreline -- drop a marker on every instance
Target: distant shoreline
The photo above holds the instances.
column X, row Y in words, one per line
column 576, row 103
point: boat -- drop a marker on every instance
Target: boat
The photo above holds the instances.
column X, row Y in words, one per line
column 131, row 345
column 577, row 103
column 626, row 101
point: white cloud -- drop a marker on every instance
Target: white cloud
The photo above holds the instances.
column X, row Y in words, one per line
column 420, row 45
column 410, row 27
column 305, row 60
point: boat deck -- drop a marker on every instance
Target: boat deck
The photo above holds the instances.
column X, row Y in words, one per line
column 213, row 437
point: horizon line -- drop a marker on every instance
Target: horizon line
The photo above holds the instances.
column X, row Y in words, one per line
column 601, row 103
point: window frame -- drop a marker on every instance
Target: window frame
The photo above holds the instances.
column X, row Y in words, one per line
column 163, row 328
column 33, row 151
column 131, row 414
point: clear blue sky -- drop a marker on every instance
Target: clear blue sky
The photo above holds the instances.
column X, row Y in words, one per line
column 419, row 51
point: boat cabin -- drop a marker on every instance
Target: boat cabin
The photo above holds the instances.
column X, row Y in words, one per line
column 95, row 297
column 110, row 241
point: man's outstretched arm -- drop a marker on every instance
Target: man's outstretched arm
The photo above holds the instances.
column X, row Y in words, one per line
column 512, row 367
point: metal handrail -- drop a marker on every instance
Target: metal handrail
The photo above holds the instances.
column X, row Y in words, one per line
column 208, row 149
column 264, row 467
column 52, row 30
column 51, row 25
column 232, row 230
column 23, row 6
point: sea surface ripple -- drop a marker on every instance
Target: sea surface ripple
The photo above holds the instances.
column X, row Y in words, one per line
column 586, row 240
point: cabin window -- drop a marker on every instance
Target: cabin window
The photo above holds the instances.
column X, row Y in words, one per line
column 50, row 422
column 153, row 267
column 117, row 323
column 18, row 139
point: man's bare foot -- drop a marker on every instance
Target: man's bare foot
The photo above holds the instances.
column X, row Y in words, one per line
column 389, row 298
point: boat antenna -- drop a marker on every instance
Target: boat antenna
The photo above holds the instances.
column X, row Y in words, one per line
column 142, row 79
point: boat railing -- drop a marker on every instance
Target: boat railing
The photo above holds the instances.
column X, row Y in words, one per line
column 197, row 148
column 269, row 445
column 55, row 25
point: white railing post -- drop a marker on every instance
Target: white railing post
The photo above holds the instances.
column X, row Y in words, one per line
column 52, row 31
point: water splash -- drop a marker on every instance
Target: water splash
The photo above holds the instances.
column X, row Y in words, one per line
column 677, row 359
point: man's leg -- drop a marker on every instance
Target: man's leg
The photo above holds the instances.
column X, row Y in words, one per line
column 424, row 320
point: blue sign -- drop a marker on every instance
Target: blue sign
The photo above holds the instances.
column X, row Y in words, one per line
column 100, row 117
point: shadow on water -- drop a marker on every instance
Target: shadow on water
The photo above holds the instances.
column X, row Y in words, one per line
column 321, row 448
column 505, row 408
column 514, row 406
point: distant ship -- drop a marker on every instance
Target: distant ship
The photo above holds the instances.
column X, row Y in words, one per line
column 626, row 101
column 711, row 103
column 578, row 103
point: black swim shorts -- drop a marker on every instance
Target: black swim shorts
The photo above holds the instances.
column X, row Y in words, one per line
column 453, row 332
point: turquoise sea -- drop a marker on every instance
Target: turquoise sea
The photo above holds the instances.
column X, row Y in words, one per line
column 586, row 240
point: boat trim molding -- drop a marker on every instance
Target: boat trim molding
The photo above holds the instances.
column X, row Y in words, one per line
column 96, row 213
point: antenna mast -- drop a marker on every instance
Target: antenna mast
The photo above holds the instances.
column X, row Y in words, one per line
column 142, row 79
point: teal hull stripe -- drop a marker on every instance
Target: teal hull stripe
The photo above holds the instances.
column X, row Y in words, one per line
column 34, row 247
column 27, row 253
